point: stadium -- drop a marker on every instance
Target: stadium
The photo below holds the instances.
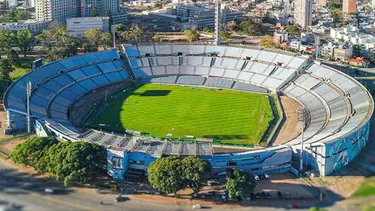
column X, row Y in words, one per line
column 222, row 103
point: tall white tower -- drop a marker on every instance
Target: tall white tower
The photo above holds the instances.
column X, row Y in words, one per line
column 303, row 13
column 217, row 22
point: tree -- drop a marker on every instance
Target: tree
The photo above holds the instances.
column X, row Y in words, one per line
column 133, row 35
column 336, row 17
column 156, row 38
column 46, row 38
column 250, row 28
column 64, row 46
column 79, row 161
column 107, row 39
column 21, row 15
column 5, row 68
column 24, row 40
column 120, row 27
column 267, row 42
column 165, row 174
column 95, row 12
column 89, row 47
column 32, row 150
column 192, row 34
column 293, row 30
column 70, row 162
column 54, row 26
column 196, row 172
column 13, row 57
column 371, row 57
column 14, row 15
column 93, row 36
column 5, row 41
column 225, row 35
column 239, row 184
column 230, row 26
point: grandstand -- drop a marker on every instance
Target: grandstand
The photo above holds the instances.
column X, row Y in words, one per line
column 339, row 108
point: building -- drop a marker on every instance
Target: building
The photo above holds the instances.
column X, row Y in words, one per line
column 35, row 26
column 322, row 3
column 61, row 10
column 30, row 3
column 11, row 3
column 359, row 61
column 349, row 6
column 92, row 7
column 280, row 36
column 334, row 51
column 203, row 16
column 303, row 13
column 78, row 26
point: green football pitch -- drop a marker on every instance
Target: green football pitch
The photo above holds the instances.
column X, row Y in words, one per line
column 167, row 111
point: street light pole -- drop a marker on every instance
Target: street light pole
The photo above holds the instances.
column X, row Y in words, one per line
column 114, row 30
column 28, row 94
column 302, row 115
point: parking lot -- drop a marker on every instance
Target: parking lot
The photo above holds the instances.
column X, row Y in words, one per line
column 278, row 187
column 285, row 186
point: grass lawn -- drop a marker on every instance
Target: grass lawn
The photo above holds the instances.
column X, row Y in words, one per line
column 227, row 116
column 367, row 188
column 24, row 68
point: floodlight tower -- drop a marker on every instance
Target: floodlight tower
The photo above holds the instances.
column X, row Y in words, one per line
column 217, row 22
column 114, row 31
column 302, row 116
column 28, row 94
column 317, row 46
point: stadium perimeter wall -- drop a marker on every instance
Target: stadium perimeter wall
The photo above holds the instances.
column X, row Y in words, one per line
column 325, row 157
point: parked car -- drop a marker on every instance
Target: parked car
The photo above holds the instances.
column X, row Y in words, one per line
column 119, row 198
column 269, row 196
column 197, row 206
column 252, row 196
column 261, row 177
column 224, row 196
column 279, row 194
column 49, row 190
column 266, row 176
column 287, row 195
column 310, row 174
column 256, row 177
column 257, row 195
column 264, row 195
column 212, row 182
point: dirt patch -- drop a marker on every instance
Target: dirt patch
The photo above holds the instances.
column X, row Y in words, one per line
column 290, row 128
column 8, row 146
column 3, row 121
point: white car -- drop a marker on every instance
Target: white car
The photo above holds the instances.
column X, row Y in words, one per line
column 197, row 206
column 48, row 190
column 256, row 177
column 266, row 176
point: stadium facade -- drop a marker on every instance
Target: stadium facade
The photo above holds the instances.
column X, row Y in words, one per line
column 337, row 127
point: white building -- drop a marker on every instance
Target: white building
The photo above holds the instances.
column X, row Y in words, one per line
column 11, row 3
column 78, row 26
column 303, row 13
column 353, row 36
column 59, row 10
column 280, row 36
column 203, row 15
column 35, row 26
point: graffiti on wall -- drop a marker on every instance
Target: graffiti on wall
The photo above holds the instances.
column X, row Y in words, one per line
column 340, row 152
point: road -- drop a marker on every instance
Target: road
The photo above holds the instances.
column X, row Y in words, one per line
column 27, row 192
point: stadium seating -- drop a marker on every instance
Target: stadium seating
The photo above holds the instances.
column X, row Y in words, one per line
column 191, row 80
column 337, row 105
